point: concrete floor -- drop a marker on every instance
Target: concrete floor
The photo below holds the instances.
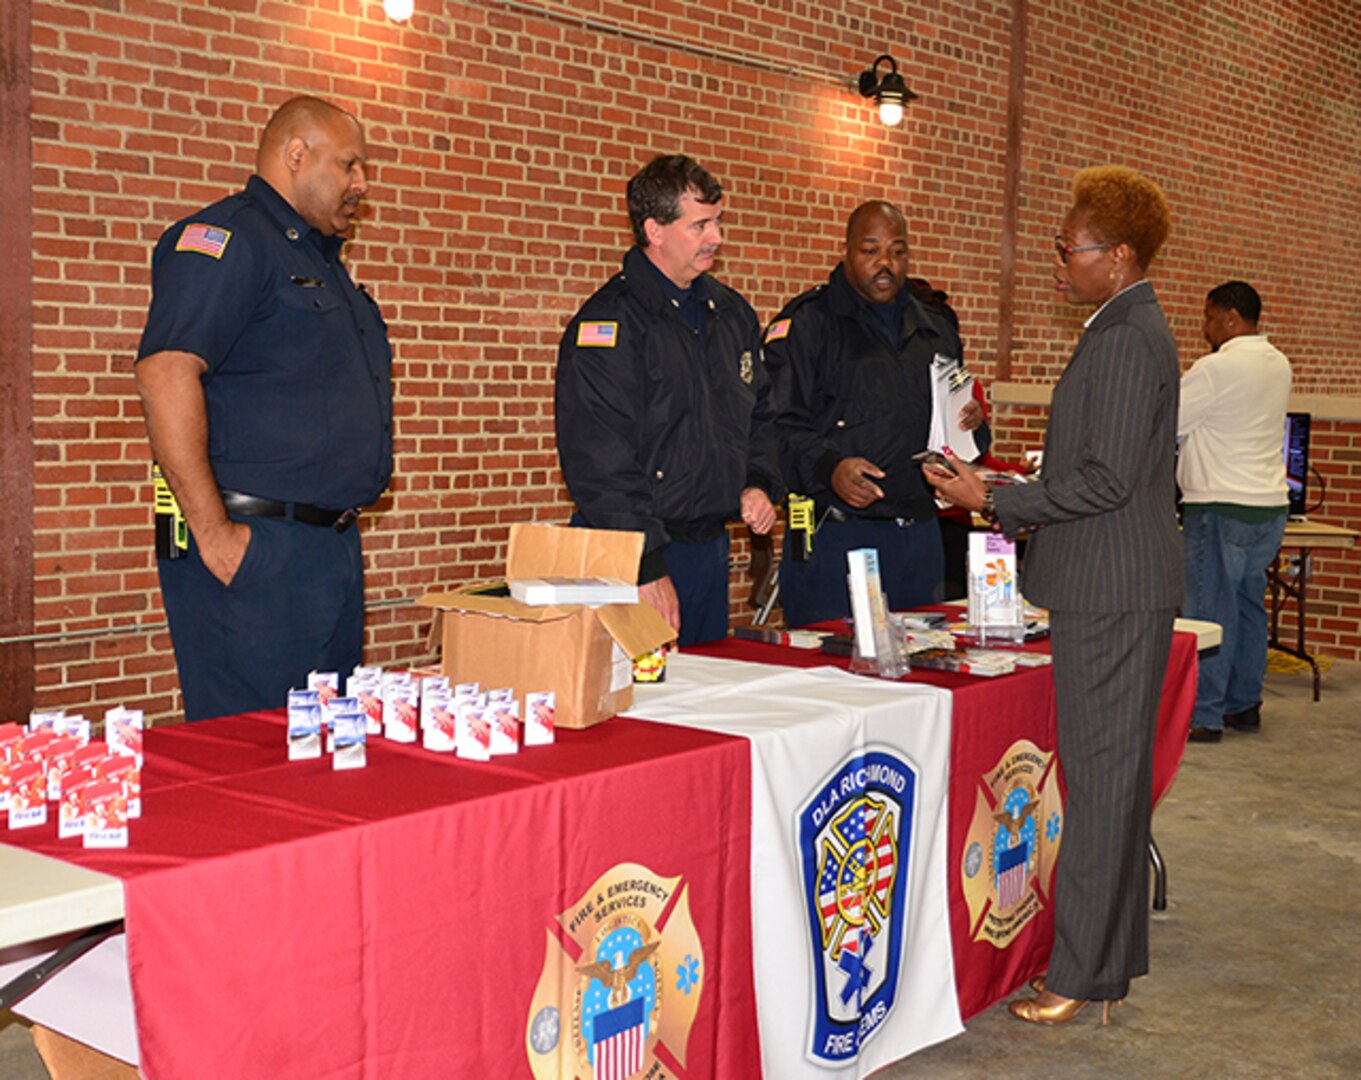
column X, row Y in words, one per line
column 1256, row 964
column 18, row 1059
column 1255, row 967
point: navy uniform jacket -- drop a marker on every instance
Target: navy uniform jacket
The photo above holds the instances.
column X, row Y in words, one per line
column 843, row 390
column 1104, row 511
column 299, row 379
column 660, row 427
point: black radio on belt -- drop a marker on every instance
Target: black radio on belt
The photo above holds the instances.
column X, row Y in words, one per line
column 172, row 532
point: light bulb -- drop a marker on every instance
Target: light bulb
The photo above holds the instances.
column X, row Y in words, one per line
column 399, row 10
column 891, row 112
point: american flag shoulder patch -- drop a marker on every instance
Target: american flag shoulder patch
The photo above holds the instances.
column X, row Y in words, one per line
column 778, row 330
column 600, row 334
column 205, row 239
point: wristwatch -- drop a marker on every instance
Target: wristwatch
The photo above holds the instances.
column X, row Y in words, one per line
column 989, row 507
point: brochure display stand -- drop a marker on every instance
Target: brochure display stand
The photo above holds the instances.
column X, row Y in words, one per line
column 996, row 610
column 876, row 649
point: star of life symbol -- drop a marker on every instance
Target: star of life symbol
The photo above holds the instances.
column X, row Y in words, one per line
column 855, row 842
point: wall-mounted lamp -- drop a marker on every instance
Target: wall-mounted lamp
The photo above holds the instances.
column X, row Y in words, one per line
column 399, row 10
column 890, row 92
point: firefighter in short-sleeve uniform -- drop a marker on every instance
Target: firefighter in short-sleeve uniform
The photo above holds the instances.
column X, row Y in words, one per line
column 299, row 403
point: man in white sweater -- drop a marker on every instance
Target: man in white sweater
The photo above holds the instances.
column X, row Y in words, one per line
column 1232, row 477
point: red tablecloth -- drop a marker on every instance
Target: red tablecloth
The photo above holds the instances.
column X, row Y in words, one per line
column 991, row 719
column 403, row 919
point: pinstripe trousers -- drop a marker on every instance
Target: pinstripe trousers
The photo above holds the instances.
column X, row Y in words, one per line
column 1108, row 677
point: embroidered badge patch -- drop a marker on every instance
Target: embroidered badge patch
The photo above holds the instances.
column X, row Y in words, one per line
column 778, row 330
column 599, row 334
column 205, row 239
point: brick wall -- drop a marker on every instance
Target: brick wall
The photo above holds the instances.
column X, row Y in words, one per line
column 502, row 138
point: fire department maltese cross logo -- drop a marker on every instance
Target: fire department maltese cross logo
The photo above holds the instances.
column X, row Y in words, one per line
column 855, row 845
column 1013, row 843
column 621, row 981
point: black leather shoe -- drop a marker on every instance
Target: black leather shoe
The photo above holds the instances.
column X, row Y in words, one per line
column 1204, row 734
column 1247, row 720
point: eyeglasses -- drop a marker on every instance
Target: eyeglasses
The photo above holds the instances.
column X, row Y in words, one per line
column 1067, row 250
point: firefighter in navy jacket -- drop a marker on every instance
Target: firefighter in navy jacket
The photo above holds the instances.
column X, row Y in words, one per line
column 663, row 409
column 851, row 365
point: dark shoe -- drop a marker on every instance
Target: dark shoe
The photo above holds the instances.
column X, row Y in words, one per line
column 1204, row 734
column 1247, row 720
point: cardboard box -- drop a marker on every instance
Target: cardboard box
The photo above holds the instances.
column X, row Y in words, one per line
column 582, row 654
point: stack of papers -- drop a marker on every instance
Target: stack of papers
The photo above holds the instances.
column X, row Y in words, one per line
column 593, row 591
column 951, row 391
column 916, row 641
column 985, row 662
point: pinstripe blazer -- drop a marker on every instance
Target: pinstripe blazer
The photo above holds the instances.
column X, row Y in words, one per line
column 1103, row 515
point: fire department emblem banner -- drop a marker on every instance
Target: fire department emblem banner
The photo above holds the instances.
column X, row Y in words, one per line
column 850, row 863
column 856, row 847
column 623, row 980
column 1013, row 844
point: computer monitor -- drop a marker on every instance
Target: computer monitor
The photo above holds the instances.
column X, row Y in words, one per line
column 1296, row 454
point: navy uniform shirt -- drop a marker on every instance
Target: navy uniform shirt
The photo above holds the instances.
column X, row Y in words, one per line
column 299, row 379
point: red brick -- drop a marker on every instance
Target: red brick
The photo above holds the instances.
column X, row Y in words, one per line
column 501, row 146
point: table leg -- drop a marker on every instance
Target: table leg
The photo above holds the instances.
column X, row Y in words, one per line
column 1159, row 875
column 1302, row 583
column 1282, row 591
column 24, row 984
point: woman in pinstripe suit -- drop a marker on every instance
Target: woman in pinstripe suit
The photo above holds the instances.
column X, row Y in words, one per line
column 1104, row 557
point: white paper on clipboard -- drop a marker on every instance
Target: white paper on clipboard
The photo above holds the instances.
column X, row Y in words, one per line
column 951, row 391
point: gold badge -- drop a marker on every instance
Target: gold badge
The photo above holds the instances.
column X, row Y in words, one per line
column 744, row 367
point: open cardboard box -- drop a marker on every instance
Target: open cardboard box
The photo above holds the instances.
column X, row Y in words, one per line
column 583, row 654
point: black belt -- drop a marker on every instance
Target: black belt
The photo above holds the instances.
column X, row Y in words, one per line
column 253, row 506
column 835, row 513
